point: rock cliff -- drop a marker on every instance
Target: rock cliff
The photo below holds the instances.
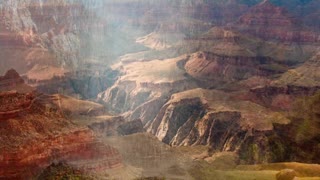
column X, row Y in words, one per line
column 35, row 133
column 142, row 93
column 214, row 118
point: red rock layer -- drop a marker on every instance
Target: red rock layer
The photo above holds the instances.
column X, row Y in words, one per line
column 11, row 78
column 34, row 134
column 76, row 146
column 270, row 22
column 208, row 66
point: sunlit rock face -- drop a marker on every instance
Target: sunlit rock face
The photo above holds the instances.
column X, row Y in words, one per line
column 226, row 124
column 41, row 35
column 196, row 109
column 48, row 41
column 142, row 93
column 243, row 58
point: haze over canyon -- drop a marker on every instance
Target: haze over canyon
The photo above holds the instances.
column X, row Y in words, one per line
column 160, row 89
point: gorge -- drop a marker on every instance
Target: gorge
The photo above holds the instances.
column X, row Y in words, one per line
column 138, row 89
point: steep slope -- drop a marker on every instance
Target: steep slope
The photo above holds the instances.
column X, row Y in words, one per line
column 214, row 118
column 209, row 103
column 27, row 118
column 12, row 81
column 303, row 80
column 144, row 87
column 226, row 57
column 270, row 22
column 306, row 74
column 48, row 44
column 212, row 67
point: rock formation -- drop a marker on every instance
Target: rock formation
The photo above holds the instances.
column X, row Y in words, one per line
column 208, row 66
column 21, row 27
column 225, row 75
column 270, row 22
column 29, row 118
column 23, row 156
column 144, row 93
column 306, row 74
column 10, row 79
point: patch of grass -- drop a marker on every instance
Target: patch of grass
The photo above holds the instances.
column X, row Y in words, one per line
column 208, row 172
column 306, row 112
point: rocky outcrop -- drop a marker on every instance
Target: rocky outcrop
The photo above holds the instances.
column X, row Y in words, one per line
column 73, row 147
column 307, row 74
column 84, row 84
column 107, row 126
column 209, row 117
column 116, row 126
column 213, row 67
column 14, row 104
column 222, row 131
column 159, row 41
column 43, row 35
column 180, row 114
column 282, row 92
column 227, row 124
column 15, row 96
column 270, row 22
column 131, row 127
column 10, row 79
column 35, row 133
column 137, row 101
column 279, row 97
column 145, row 86
column 231, row 42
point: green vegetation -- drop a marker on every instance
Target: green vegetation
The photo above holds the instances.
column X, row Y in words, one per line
column 270, row 148
column 307, row 118
column 297, row 141
column 62, row 171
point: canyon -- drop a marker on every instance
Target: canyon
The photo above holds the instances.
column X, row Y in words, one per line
column 129, row 89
